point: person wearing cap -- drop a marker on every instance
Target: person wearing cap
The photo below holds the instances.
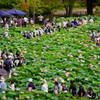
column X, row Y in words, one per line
column 3, row 85
column 30, row 86
column 44, row 86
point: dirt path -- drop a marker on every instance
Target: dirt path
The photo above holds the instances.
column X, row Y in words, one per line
column 78, row 11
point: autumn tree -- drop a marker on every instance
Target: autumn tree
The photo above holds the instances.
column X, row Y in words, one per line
column 30, row 6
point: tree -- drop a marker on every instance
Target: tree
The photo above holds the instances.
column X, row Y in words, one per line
column 90, row 4
column 90, row 7
column 30, row 6
column 68, row 5
column 49, row 6
column 6, row 4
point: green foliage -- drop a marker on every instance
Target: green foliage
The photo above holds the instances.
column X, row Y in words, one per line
column 42, row 6
column 8, row 3
column 51, row 53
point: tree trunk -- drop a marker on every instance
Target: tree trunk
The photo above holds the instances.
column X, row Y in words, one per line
column 70, row 12
column 71, row 6
column 67, row 10
column 90, row 7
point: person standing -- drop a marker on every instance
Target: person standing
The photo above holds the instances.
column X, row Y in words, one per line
column 20, row 22
column 8, row 64
column 25, row 21
column 40, row 18
column 3, row 85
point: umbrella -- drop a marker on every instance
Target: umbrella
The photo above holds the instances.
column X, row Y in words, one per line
column 16, row 12
column 4, row 14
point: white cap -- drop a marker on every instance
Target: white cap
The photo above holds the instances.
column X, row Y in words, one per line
column 30, row 79
column 9, row 56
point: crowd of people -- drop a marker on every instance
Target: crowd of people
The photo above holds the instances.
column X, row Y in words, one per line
column 48, row 26
column 95, row 37
column 9, row 60
column 59, row 87
column 51, row 26
column 15, row 22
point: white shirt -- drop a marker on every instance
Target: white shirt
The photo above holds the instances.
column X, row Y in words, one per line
column 44, row 87
column 41, row 31
column 40, row 18
column 59, row 24
column 84, row 21
column 12, row 87
column 26, row 19
column 91, row 20
column 64, row 24
column 36, row 32
column 6, row 25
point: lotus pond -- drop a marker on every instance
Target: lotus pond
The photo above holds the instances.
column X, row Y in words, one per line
column 51, row 56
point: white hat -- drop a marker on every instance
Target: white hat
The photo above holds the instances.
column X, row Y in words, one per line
column 9, row 56
column 30, row 79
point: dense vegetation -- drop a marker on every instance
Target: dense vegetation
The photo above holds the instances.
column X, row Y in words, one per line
column 42, row 7
column 70, row 50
